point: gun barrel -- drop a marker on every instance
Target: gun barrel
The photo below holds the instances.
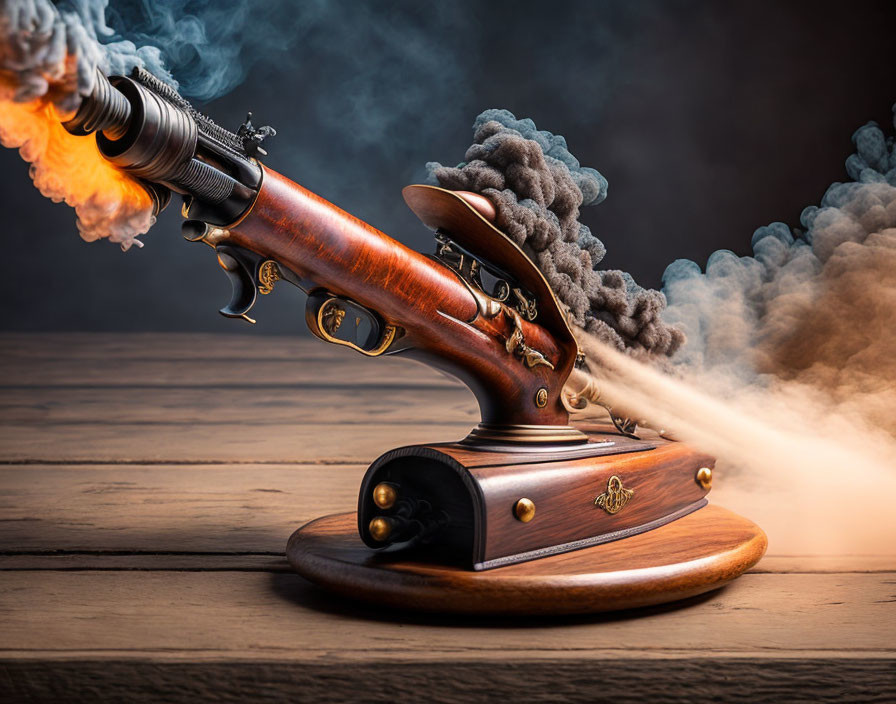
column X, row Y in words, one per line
column 146, row 129
column 104, row 110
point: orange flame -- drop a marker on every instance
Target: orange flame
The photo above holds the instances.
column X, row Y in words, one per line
column 67, row 168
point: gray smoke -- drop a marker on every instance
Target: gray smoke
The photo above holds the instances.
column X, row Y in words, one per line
column 55, row 49
column 202, row 48
column 49, row 56
column 538, row 187
column 813, row 307
column 209, row 47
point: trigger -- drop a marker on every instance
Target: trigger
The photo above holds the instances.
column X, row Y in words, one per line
column 241, row 279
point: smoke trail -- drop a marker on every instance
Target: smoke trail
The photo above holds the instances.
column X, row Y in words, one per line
column 815, row 307
column 788, row 375
column 817, row 481
column 537, row 187
column 53, row 50
column 209, row 47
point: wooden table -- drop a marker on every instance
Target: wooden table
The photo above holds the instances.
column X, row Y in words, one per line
column 149, row 484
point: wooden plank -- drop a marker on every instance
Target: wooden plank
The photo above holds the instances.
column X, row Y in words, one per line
column 249, row 615
column 223, row 509
column 248, row 406
column 221, row 373
column 120, row 561
column 119, row 581
column 571, row 678
column 324, row 442
column 167, row 346
column 142, row 360
column 795, row 564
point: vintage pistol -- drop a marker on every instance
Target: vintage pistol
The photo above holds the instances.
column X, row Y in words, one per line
column 524, row 483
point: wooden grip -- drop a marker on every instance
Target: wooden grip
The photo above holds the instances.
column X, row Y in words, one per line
column 440, row 320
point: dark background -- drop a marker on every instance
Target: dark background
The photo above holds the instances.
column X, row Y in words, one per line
column 708, row 119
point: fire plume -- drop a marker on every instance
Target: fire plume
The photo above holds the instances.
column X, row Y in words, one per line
column 68, row 168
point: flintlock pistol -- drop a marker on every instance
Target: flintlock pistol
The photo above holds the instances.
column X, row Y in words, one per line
column 479, row 309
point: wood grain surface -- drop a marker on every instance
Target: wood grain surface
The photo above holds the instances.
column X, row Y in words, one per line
column 149, row 484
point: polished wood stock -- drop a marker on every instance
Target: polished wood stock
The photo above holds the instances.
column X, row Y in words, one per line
column 441, row 320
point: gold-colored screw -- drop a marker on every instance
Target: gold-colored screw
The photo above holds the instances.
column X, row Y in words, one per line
column 380, row 529
column 541, row 397
column 524, row 510
column 704, row 477
column 385, row 495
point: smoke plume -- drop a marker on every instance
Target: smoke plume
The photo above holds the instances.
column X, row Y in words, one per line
column 538, row 187
column 817, row 481
column 814, row 307
column 49, row 57
column 788, row 375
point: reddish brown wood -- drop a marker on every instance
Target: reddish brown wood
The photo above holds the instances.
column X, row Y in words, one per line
column 564, row 494
column 478, row 489
column 439, row 208
column 435, row 309
column 692, row 555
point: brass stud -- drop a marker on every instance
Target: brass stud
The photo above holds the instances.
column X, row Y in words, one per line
column 704, row 477
column 541, row 397
column 524, row 510
column 380, row 529
column 385, row 495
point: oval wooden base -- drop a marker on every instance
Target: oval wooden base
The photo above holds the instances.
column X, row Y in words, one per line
column 692, row 555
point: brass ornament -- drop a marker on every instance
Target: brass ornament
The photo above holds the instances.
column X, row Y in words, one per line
column 380, row 529
column 385, row 495
column 526, row 304
column 517, row 346
column 331, row 318
column 541, row 397
column 615, row 497
column 704, row 478
column 268, row 275
column 524, row 510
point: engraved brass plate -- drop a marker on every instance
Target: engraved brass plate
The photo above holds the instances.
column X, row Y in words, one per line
column 615, row 497
column 268, row 275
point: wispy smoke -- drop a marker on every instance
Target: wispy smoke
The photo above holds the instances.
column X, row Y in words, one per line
column 789, row 370
column 54, row 49
column 202, row 48
column 209, row 47
column 49, row 57
column 815, row 480
column 538, row 188
column 814, row 306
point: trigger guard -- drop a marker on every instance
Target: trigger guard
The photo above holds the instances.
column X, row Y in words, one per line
column 242, row 281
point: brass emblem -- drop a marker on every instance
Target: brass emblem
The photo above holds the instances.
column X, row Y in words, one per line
column 541, row 397
column 517, row 346
column 268, row 275
column 332, row 317
column 615, row 497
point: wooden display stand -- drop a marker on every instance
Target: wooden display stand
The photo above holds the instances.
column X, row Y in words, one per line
column 527, row 514
column 613, row 523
